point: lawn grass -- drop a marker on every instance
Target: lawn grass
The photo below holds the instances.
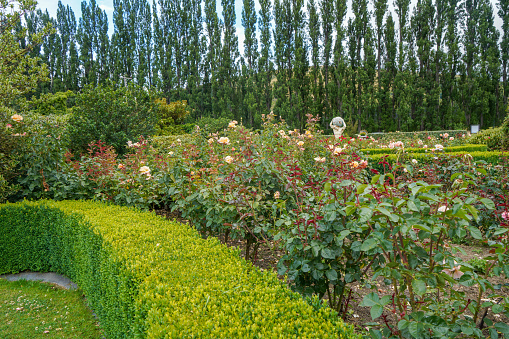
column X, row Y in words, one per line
column 30, row 309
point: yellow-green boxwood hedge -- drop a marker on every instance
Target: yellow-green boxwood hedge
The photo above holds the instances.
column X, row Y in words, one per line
column 148, row 277
column 452, row 149
column 490, row 157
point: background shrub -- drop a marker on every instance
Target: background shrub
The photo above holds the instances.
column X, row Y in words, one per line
column 170, row 117
column 212, row 125
column 113, row 116
column 493, row 137
column 8, row 144
column 505, row 133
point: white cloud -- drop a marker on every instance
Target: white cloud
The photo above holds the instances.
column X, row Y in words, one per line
column 106, row 8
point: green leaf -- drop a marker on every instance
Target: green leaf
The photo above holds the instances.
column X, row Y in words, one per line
column 332, row 216
column 361, row 188
column 327, row 253
column 369, row 244
column 376, row 311
column 416, row 329
column 383, row 211
column 374, row 180
column 493, row 333
column 466, row 329
column 343, row 234
column 411, row 206
column 488, row 203
column 327, row 187
column 365, row 214
column 502, row 327
column 474, row 231
column 332, row 275
column 497, row 308
column 350, row 210
column 370, row 300
column 473, row 211
column 500, row 231
column 419, row 287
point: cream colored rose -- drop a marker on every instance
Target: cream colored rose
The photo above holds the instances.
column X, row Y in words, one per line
column 17, row 118
column 224, row 140
column 145, row 170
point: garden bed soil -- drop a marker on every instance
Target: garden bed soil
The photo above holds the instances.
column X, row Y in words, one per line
column 267, row 259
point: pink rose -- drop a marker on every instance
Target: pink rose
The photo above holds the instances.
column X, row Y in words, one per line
column 505, row 215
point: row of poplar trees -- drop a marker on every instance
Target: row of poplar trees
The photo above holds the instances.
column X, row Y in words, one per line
column 441, row 64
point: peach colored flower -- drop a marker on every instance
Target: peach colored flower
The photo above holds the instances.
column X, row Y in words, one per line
column 145, row 170
column 277, row 195
column 454, row 272
column 224, row 140
column 17, row 118
column 228, row 159
column 320, row 159
column 337, row 150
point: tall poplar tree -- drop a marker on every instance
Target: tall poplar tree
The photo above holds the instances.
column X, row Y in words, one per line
column 503, row 12
column 66, row 27
column 316, row 74
column 251, row 101
column 228, row 68
column 265, row 63
column 328, row 16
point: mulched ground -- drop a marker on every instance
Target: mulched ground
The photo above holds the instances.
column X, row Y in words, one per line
column 267, row 259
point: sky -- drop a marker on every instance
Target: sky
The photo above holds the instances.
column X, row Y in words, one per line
column 107, row 5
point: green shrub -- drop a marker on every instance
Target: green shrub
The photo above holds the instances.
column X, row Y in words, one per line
column 212, row 125
column 491, row 137
column 170, row 117
column 113, row 116
column 10, row 142
column 51, row 103
column 505, row 132
column 148, row 277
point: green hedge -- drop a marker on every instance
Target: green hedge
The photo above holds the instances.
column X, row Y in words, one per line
column 148, row 277
column 168, row 141
column 490, row 157
column 462, row 148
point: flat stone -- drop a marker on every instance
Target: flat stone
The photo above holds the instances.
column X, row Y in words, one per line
column 49, row 277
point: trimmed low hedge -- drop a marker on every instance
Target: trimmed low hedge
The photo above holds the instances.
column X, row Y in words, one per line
column 490, row 157
column 148, row 277
column 452, row 149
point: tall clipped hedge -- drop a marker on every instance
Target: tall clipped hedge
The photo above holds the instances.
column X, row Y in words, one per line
column 148, row 277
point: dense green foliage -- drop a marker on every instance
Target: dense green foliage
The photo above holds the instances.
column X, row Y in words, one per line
column 147, row 277
column 427, row 65
column 113, row 116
